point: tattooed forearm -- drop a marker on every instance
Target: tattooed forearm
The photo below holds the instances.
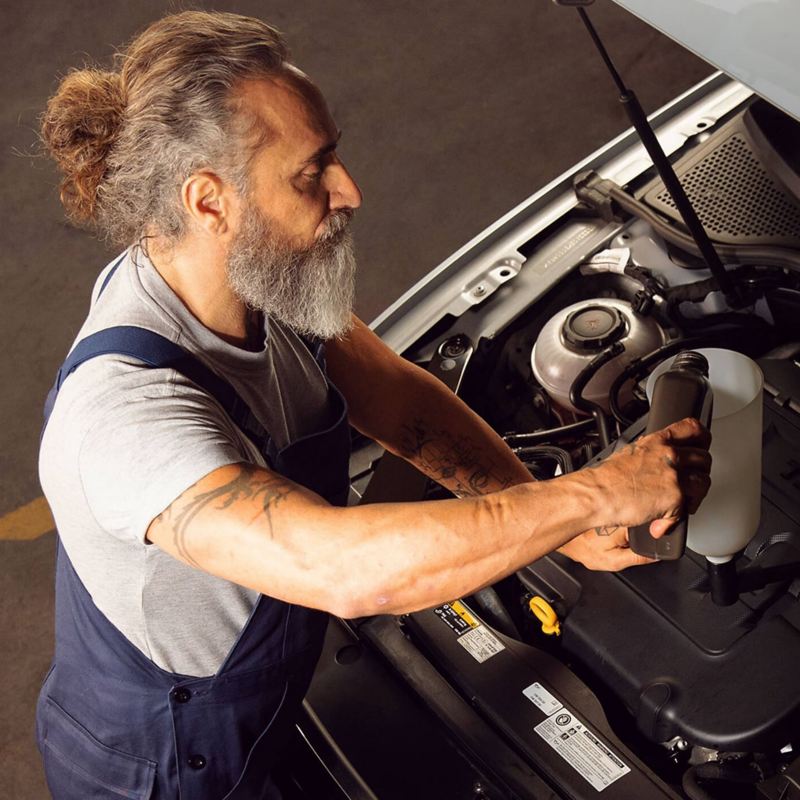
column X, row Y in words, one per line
column 455, row 461
column 607, row 530
column 249, row 484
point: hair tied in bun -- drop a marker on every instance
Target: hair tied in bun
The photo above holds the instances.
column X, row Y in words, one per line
column 79, row 128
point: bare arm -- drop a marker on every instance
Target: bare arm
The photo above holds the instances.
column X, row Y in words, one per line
column 414, row 415
column 256, row 528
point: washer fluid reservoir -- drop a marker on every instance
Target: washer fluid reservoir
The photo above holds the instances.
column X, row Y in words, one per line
column 580, row 332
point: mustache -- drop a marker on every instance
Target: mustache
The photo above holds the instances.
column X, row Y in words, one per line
column 337, row 225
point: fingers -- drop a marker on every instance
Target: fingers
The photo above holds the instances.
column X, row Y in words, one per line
column 687, row 432
column 692, row 458
column 627, row 558
column 691, row 462
column 608, row 550
column 695, row 486
column 621, row 558
column 662, row 476
column 658, row 527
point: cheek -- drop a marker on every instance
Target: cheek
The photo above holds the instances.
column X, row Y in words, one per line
column 297, row 213
column 303, row 217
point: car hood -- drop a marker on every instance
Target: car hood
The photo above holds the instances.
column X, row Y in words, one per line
column 754, row 41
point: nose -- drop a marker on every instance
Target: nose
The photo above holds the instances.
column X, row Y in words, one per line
column 343, row 191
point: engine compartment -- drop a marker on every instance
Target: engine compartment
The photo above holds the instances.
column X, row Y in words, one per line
column 684, row 682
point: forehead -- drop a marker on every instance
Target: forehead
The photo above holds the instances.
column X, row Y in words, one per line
column 294, row 112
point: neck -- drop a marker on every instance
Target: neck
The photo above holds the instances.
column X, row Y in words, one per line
column 196, row 271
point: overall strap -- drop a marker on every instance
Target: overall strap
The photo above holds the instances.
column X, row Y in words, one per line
column 157, row 351
column 111, row 273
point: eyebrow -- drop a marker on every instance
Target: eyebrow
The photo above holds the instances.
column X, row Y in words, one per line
column 323, row 151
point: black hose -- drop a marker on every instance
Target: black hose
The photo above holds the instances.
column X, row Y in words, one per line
column 692, row 788
column 547, row 452
column 760, row 254
column 724, row 771
column 579, row 384
column 551, row 434
column 497, row 614
column 694, row 292
column 639, row 366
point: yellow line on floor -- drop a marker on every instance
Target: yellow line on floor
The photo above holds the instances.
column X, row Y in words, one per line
column 27, row 522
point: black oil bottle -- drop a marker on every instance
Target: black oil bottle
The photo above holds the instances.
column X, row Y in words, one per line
column 681, row 391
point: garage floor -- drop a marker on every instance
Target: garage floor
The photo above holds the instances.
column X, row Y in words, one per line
column 453, row 112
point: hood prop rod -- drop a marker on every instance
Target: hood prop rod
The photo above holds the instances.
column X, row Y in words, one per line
column 665, row 170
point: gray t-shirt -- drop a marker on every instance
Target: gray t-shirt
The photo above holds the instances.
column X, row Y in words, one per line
column 125, row 440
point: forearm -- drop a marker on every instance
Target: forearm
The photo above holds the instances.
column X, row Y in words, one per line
column 260, row 530
column 451, row 444
column 255, row 527
column 411, row 556
column 416, row 416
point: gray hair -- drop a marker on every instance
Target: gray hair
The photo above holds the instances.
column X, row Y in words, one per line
column 126, row 140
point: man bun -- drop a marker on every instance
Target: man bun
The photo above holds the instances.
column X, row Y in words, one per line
column 125, row 142
column 79, row 127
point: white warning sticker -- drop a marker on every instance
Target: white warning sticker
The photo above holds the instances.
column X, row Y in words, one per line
column 475, row 638
column 581, row 749
column 542, row 699
column 481, row 643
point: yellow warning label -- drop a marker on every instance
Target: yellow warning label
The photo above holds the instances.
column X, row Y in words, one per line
column 462, row 612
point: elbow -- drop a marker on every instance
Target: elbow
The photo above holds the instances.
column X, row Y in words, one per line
column 359, row 594
column 360, row 602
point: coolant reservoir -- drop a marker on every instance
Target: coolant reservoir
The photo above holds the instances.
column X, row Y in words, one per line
column 580, row 332
column 728, row 517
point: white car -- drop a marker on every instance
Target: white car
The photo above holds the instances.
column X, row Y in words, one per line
column 560, row 682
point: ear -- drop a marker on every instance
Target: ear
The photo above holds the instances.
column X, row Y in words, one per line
column 209, row 202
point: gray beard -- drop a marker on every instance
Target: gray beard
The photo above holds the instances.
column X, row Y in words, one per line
column 311, row 291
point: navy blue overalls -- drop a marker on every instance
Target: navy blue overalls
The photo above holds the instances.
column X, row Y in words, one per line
column 110, row 723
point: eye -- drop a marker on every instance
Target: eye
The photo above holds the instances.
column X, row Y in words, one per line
column 313, row 175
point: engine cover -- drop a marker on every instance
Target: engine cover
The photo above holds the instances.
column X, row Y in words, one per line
column 721, row 677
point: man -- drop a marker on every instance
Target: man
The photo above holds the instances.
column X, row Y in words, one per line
column 195, row 455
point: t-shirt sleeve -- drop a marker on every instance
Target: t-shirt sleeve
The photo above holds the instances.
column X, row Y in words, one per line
column 142, row 453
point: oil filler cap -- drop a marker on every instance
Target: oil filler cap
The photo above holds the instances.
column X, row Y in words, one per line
column 593, row 327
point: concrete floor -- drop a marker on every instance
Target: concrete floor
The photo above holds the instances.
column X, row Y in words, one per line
column 452, row 113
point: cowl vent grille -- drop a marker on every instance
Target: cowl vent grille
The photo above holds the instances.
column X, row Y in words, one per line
column 736, row 198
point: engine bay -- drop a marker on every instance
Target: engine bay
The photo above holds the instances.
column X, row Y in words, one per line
column 706, row 695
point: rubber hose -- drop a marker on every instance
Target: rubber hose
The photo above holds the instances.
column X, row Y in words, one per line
column 489, row 601
column 536, row 437
column 692, row 788
column 579, row 384
column 731, row 772
column 640, row 365
column 760, row 254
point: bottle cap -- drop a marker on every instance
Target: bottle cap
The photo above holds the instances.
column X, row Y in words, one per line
column 593, row 327
column 691, row 360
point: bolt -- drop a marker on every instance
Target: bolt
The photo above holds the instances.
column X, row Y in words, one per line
column 479, row 290
column 453, row 348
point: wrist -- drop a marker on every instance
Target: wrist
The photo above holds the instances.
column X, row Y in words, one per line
column 597, row 495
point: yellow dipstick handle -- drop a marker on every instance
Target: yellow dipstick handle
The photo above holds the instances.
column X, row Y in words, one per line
column 543, row 611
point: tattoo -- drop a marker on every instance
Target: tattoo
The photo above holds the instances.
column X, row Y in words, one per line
column 454, row 461
column 607, row 530
column 250, row 484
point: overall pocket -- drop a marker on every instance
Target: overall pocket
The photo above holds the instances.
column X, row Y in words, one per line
column 254, row 782
column 79, row 767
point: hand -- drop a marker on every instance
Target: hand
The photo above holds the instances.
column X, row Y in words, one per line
column 658, row 478
column 604, row 548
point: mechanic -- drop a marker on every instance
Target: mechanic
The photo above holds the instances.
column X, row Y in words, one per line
column 196, row 451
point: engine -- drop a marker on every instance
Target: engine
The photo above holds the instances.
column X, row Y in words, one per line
column 690, row 680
